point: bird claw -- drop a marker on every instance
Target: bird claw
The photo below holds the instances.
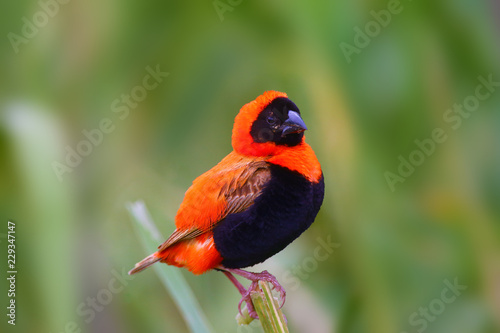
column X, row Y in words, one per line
column 268, row 277
column 246, row 297
column 254, row 286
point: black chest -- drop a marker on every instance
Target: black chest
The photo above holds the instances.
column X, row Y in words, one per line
column 286, row 208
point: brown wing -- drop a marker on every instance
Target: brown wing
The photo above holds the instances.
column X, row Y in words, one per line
column 242, row 191
column 179, row 235
column 230, row 187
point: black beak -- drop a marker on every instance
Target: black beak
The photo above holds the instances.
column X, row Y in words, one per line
column 294, row 124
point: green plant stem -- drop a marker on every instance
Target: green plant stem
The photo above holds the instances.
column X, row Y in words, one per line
column 172, row 279
column 267, row 307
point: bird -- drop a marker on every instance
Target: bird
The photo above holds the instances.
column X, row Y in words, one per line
column 253, row 203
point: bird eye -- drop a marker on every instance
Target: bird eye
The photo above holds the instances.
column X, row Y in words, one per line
column 272, row 119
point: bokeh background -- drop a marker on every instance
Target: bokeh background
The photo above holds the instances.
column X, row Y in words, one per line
column 394, row 249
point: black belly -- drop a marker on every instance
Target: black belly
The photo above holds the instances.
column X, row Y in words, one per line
column 286, row 208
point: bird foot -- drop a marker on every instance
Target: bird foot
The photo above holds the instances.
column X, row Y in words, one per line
column 268, row 277
column 254, row 286
column 247, row 297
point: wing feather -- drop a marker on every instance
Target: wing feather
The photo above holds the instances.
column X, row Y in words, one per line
column 179, row 235
column 228, row 188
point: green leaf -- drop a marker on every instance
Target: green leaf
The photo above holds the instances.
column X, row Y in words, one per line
column 172, row 279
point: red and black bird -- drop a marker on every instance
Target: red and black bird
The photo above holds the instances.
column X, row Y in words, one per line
column 251, row 205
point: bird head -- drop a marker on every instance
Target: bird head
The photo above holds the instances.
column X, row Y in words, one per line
column 268, row 124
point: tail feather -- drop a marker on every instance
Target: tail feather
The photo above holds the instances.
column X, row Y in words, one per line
column 144, row 263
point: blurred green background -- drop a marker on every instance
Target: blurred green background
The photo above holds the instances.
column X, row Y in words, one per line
column 394, row 251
